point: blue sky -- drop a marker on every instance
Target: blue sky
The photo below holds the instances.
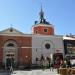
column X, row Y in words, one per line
column 22, row 14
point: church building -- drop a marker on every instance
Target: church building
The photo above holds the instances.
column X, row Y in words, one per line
column 27, row 49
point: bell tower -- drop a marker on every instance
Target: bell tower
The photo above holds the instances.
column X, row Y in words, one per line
column 42, row 26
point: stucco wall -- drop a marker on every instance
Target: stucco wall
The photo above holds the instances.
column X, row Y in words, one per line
column 38, row 42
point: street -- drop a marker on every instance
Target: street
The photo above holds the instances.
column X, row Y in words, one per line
column 32, row 72
column 36, row 72
column 4, row 73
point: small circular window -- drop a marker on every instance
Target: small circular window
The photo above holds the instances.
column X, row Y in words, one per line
column 47, row 46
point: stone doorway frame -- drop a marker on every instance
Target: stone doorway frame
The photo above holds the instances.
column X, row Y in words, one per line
column 6, row 50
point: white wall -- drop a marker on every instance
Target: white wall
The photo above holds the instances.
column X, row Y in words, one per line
column 39, row 41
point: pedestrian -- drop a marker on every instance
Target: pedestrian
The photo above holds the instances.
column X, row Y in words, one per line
column 61, row 63
column 64, row 64
column 51, row 65
column 69, row 64
column 42, row 60
column 48, row 62
column 11, row 69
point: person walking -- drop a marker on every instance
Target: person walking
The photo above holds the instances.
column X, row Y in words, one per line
column 42, row 60
column 51, row 65
column 11, row 69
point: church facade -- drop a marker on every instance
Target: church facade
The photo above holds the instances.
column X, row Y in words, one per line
column 27, row 49
column 16, row 45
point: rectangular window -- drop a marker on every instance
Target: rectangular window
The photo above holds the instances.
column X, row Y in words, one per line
column 36, row 32
column 45, row 30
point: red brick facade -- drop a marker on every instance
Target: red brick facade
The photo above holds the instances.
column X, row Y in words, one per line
column 40, row 30
column 24, row 54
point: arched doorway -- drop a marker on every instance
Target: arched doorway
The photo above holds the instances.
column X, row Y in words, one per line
column 10, row 51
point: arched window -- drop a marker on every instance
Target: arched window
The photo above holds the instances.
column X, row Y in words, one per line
column 10, row 45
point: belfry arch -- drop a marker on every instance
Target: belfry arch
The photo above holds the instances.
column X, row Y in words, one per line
column 10, row 50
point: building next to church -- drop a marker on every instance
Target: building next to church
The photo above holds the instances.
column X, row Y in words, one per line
column 27, row 49
column 69, row 46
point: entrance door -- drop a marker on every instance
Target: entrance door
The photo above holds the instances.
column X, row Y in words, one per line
column 10, row 53
column 10, row 60
column 9, row 63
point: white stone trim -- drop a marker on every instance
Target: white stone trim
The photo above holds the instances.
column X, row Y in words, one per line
column 6, row 50
column 45, row 25
column 68, row 38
